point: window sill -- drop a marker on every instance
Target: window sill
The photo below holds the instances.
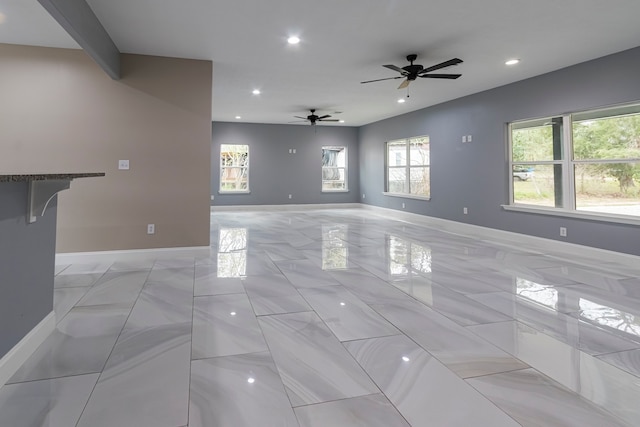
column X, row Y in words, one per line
column 334, row 191
column 407, row 196
column 233, row 192
column 591, row 216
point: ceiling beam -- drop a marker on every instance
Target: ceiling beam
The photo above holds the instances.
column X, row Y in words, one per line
column 77, row 18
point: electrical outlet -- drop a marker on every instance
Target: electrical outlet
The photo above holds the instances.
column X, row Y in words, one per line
column 563, row 231
column 403, row 206
column 290, row 150
column 363, row 196
column 294, row 151
column 151, row 229
column 468, row 138
column 290, row 196
column 212, row 197
column 123, row 165
column 465, row 210
column 464, row 138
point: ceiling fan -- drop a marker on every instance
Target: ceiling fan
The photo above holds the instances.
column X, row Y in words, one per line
column 412, row 72
column 312, row 118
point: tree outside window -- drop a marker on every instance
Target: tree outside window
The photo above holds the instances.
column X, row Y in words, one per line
column 601, row 172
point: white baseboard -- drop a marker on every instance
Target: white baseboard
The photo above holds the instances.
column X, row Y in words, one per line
column 515, row 240
column 12, row 361
column 131, row 254
column 302, row 207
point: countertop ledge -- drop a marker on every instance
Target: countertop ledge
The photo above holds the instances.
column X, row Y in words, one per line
column 48, row 176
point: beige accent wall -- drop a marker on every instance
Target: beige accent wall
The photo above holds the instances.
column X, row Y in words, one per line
column 59, row 112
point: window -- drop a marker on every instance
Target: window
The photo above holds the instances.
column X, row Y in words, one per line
column 408, row 169
column 587, row 162
column 334, row 169
column 234, row 168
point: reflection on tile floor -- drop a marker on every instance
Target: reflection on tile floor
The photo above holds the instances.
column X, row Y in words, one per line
column 336, row 318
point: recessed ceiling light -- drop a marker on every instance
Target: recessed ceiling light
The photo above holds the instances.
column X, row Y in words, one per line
column 341, row 121
column 512, row 62
column 293, row 40
column 256, row 92
column 401, row 101
column 238, row 117
column 251, row 380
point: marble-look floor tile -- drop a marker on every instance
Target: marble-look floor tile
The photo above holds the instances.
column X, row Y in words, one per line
column 459, row 349
column 80, row 344
column 145, row 381
column 421, row 388
column 273, row 294
column 314, row 366
column 281, row 251
column 304, row 274
column 552, row 357
column 534, row 400
column 60, row 268
column 240, row 391
column 457, row 307
column 367, row 411
column 64, row 299
column 86, row 268
column 369, row 288
column 176, row 276
column 176, row 262
column 347, row 316
column 572, row 331
column 51, row 403
column 225, row 325
column 75, row 280
column 161, row 304
column 132, row 265
column 628, row 361
column 207, row 282
column 116, row 288
column 611, row 388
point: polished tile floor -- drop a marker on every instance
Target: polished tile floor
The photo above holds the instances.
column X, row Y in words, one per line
column 332, row 318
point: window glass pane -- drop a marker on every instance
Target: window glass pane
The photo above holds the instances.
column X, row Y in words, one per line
column 334, row 168
column 234, row 167
column 537, row 185
column 419, row 181
column 608, row 187
column 607, row 138
column 541, row 141
column 419, row 151
column 397, row 153
column 397, row 180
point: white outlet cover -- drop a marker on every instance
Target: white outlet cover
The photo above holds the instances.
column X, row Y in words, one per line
column 123, row 165
column 464, row 138
column 294, row 151
column 468, row 138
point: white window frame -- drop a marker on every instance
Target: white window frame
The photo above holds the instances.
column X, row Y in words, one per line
column 568, row 171
column 408, row 166
column 225, row 167
column 344, row 168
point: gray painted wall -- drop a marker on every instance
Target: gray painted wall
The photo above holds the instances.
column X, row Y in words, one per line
column 476, row 174
column 27, row 258
column 274, row 173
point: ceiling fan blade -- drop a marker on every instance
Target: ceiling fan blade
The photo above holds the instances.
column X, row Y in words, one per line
column 394, row 68
column 379, row 80
column 324, row 117
column 328, row 120
column 454, row 61
column 441, row 76
column 298, row 121
column 298, row 117
column 404, row 84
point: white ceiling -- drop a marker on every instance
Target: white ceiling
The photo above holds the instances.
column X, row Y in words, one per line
column 345, row 42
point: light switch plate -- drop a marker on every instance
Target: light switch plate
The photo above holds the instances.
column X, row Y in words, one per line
column 123, row 165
